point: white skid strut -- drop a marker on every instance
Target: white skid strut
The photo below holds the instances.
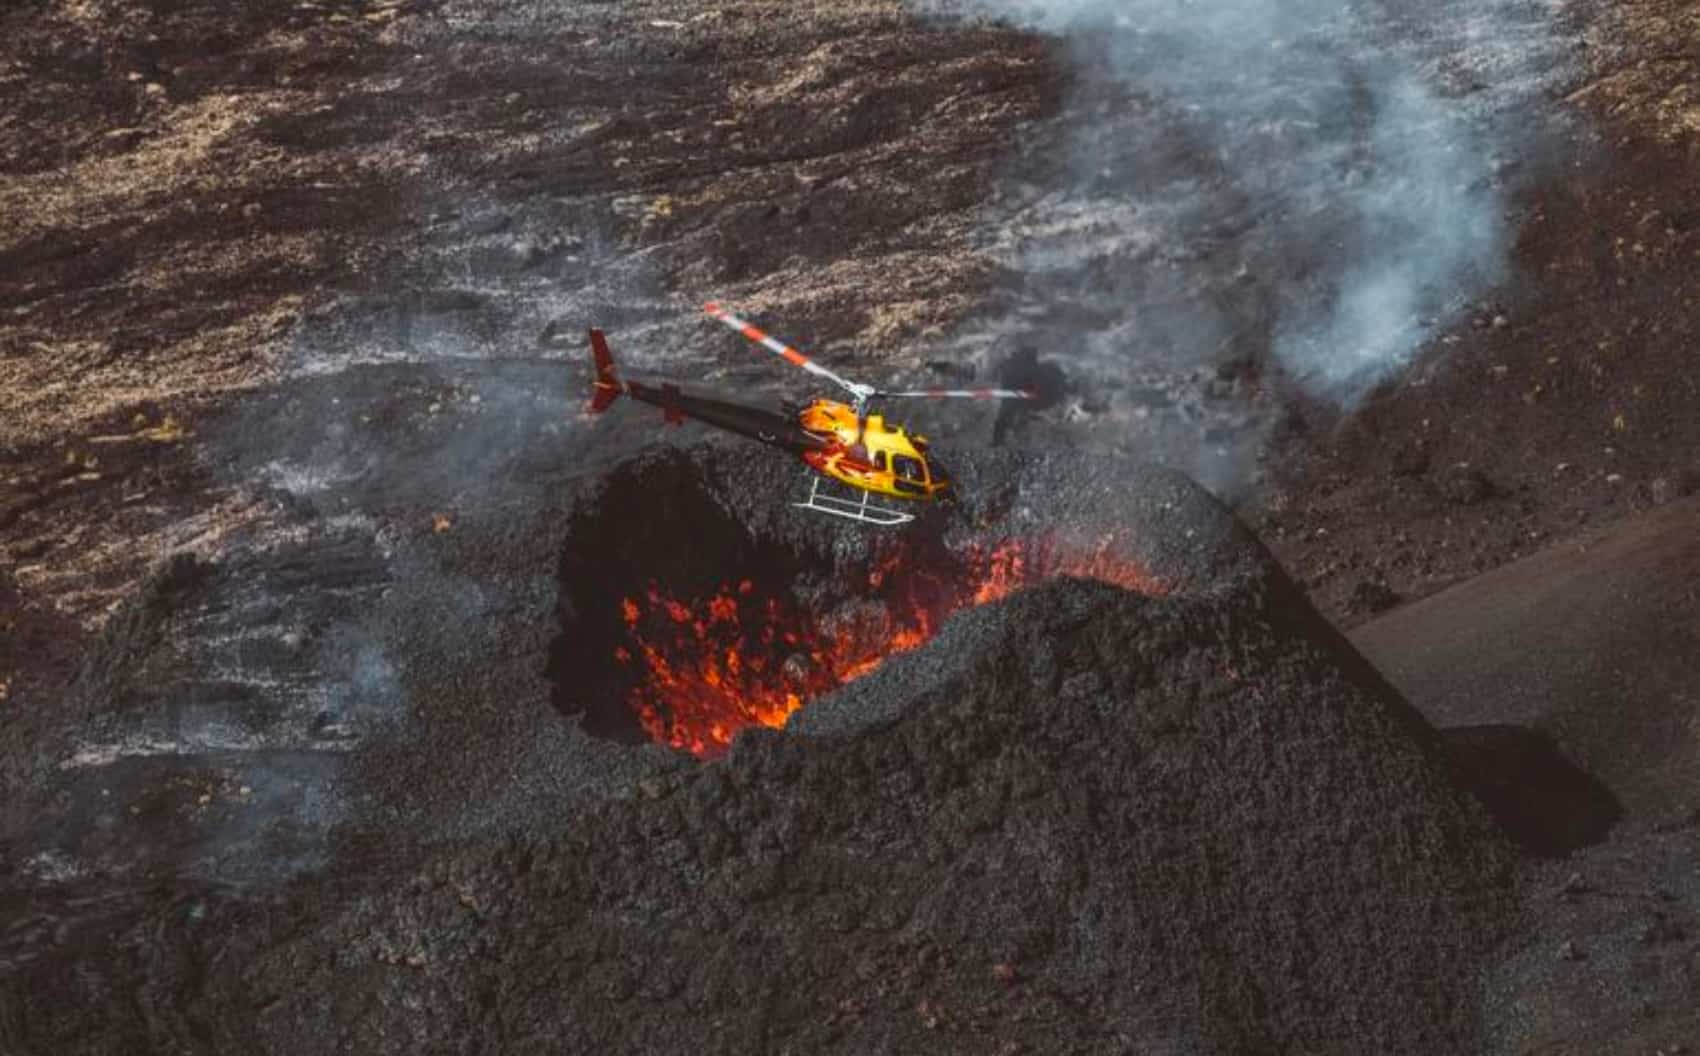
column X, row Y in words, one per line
column 863, row 510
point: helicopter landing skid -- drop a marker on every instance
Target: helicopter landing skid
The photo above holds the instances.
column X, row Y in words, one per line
column 863, row 510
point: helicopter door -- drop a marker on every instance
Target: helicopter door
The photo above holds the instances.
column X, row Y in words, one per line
column 911, row 473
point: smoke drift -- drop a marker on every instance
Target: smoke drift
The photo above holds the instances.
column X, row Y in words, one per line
column 1292, row 184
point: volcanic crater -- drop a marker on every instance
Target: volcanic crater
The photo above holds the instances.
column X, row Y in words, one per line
column 1077, row 806
column 682, row 622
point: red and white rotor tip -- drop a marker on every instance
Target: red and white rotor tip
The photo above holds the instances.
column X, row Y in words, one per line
column 778, row 348
column 861, row 392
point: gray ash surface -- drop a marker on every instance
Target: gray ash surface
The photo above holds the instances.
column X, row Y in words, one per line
column 1108, row 822
column 1091, row 835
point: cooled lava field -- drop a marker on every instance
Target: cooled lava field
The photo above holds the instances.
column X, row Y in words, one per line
column 1310, row 670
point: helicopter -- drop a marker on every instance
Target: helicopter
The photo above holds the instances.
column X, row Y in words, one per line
column 839, row 442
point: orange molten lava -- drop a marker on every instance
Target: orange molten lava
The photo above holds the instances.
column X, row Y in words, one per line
column 707, row 669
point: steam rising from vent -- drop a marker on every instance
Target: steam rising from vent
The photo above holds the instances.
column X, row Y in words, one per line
column 1310, row 184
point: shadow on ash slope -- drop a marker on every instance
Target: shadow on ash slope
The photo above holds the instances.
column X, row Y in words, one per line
column 1246, row 198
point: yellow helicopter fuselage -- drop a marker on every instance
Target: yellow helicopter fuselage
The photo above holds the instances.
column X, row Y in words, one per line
column 869, row 455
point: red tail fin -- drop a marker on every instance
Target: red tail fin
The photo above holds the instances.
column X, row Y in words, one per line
column 608, row 387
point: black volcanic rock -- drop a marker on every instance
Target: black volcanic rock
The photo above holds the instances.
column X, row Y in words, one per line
column 1092, row 821
column 1079, row 820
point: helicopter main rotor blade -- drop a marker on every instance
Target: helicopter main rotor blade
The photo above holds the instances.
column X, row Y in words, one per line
column 963, row 394
column 783, row 350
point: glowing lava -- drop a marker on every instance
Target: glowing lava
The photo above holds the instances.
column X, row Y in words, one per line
column 706, row 669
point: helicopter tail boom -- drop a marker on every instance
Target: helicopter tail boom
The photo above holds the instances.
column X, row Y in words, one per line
column 677, row 406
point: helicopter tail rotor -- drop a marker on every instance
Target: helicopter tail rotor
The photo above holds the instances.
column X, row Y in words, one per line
column 608, row 385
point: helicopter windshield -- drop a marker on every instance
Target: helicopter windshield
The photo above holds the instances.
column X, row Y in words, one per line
column 910, row 469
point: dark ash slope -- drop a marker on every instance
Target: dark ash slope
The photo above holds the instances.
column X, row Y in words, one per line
column 1101, row 823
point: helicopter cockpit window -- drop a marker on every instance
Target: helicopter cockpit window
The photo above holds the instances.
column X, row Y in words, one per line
column 909, row 468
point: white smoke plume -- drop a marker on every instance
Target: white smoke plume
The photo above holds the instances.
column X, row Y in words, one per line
column 1313, row 186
